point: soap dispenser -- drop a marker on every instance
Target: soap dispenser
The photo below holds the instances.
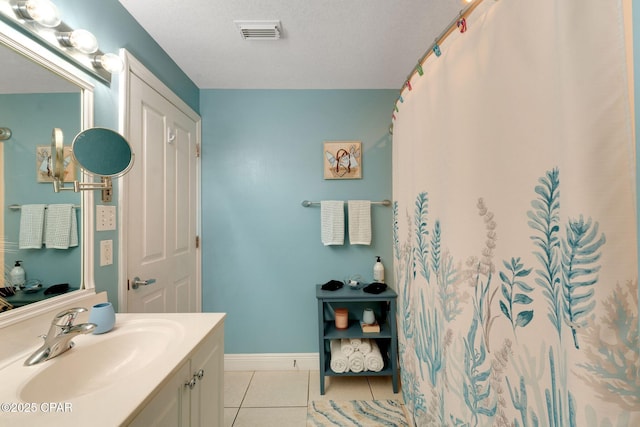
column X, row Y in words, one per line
column 378, row 271
column 17, row 276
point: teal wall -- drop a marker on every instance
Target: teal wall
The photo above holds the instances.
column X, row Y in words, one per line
column 115, row 28
column 31, row 118
column 262, row 255
column 261, row 156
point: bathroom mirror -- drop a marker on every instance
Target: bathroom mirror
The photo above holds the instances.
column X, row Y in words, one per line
column 39, row 91
column 102, row 152
column 98, row 152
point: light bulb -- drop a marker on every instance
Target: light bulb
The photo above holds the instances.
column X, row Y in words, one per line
column 43, row 12
column 110, row 62
column 81, row 40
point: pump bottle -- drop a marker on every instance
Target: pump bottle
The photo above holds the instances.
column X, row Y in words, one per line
column 378, row 271
column 17, row 276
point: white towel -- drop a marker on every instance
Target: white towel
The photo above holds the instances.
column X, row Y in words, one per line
column 31, row 226
column 347, row 348
column 355, row 342
column 373, row 360
column 332, row 222
column 61, row 227
column 339, row 362
column 356, row 362
column 359, row 222
column 365, row 346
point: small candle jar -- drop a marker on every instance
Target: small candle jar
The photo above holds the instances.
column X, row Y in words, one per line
column 368, row 317
column 342, row 318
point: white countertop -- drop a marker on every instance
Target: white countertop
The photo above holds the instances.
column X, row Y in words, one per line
column 114, row 402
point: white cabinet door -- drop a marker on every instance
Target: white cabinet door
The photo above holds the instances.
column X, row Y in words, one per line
column 207, row 398
column 170, row 406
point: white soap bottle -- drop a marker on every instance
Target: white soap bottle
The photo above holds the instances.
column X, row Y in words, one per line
column 378, row 271
column 17, row 276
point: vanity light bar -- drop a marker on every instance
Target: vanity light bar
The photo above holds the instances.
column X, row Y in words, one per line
column 79, row 46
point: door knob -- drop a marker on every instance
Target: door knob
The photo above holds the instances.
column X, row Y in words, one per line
column 137, row 282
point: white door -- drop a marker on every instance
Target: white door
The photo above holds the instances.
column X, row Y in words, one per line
column 161, row 239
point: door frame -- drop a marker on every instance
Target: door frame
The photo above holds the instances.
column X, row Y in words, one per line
column 132, row 66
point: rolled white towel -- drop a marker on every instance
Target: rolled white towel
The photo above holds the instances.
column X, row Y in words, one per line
column 356, row 362
column 355, row 342
column 347, row 348
column 373, row 360
column 339, row 362
column 365, row 346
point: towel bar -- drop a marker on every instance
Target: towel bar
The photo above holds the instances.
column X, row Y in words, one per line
column 307, row 203
column 18, row 207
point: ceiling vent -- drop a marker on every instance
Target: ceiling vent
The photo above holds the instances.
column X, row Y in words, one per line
column 259, row 30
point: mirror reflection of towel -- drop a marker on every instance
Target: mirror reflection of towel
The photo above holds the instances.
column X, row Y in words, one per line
column 61, row 227
column 31, row 226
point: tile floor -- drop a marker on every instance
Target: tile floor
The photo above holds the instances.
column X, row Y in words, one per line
column 279, row 398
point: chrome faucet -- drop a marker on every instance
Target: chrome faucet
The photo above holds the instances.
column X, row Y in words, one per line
column 61, row 332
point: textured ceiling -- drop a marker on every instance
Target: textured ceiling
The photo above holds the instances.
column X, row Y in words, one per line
column 326, row 44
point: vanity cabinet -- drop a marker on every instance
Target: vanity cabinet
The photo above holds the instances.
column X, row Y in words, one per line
column 194, row 395
column 355, row 301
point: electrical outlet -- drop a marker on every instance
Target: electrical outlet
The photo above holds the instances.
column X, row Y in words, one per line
column 106, row 252
column 105, row 218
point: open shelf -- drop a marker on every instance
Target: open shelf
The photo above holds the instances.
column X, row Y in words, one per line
column 354, row 330
column 386, row 371
column 384, row 306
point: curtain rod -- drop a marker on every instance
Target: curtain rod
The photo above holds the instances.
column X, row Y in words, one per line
column 307, row 203
column 443, row 35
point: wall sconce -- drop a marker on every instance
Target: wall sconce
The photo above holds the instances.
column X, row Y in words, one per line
column 44, row 12
column 81, row 40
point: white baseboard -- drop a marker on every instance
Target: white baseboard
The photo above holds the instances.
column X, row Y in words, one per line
column 272, row 362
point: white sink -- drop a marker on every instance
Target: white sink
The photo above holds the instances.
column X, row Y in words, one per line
column 105, row 379
column 98, row 360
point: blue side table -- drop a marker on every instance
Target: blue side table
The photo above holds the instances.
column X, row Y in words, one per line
column 356, row 300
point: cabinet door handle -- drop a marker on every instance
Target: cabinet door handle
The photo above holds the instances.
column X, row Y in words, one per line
column 199, row 374
column 191, row 383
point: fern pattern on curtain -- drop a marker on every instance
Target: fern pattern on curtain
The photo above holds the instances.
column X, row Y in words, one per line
column 514, row 222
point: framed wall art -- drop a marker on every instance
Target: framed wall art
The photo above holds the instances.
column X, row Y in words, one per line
column 342, row 159
column 43, row 164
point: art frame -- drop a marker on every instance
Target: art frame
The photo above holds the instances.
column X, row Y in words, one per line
column 342, row 159
column 44, row 173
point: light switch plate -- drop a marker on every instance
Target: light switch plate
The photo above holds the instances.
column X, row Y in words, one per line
column 105, row 217
column 106, row 252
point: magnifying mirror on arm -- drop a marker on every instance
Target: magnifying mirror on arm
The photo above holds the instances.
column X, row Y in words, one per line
column 99, row 152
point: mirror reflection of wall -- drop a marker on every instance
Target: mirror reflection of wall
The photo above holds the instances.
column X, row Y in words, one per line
column 33, row 101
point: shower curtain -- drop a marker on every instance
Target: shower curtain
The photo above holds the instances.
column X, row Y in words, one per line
column 515, row 223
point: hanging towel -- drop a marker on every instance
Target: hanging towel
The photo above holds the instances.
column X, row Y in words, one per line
column 356, row 362
column 339, row 362
column 359, row 222
column 31, row 226
column 332, row 222
column 373, row 360
column 61, row 227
